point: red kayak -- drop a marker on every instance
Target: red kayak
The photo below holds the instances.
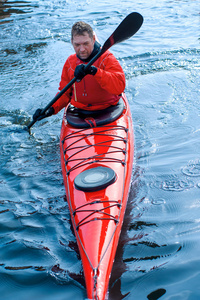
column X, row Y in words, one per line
column 97, row 151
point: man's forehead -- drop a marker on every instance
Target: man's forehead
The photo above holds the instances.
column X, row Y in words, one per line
column 83, row 35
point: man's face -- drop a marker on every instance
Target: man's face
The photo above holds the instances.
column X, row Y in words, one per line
column 83, row 45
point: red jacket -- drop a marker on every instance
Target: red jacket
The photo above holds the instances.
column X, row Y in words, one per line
column 92, row 92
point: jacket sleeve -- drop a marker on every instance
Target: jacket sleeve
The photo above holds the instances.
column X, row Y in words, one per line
column 110, row 75
column 65, row 98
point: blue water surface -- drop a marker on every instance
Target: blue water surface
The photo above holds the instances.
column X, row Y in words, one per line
column 158, row 253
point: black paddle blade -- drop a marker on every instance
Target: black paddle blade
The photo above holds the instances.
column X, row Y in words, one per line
column 127, row 28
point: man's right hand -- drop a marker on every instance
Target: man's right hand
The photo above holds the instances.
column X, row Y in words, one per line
column 80, row 71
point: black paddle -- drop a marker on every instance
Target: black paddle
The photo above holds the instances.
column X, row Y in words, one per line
column 127, row 28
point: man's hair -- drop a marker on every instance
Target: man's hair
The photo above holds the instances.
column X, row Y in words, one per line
column 79, row 28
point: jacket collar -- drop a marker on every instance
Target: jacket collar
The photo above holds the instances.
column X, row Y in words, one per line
column 96, row 49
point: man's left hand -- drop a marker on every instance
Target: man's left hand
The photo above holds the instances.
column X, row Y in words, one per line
column 39, row 116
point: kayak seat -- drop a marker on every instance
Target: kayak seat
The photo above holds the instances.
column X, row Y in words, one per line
column 80, row 118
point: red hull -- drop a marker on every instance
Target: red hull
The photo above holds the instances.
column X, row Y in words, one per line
column 97, row 216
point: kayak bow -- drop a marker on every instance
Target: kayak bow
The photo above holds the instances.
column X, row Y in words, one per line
column 96, row 157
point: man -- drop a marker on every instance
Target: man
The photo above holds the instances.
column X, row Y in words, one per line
column 97, row 88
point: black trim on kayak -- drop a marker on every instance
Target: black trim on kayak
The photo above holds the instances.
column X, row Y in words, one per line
column 80, row 118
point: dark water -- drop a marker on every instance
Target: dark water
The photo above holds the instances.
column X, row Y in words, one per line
column 158, row 255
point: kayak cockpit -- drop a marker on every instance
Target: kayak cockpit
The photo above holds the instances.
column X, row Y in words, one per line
column 80, row 118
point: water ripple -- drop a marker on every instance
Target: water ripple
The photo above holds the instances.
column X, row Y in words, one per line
column 174, row 183
column 193, row 169
column 149, row 255
column 153, row 62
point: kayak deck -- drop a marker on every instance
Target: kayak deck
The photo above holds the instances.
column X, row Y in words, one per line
column 97, row 212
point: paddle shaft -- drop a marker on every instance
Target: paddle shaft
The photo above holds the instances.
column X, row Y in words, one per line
column 127, row 28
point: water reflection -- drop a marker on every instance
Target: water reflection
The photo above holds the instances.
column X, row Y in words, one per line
column 3, row 9
column 14, row 7
column 156, row 294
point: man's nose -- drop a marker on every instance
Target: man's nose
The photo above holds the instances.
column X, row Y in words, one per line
column 82, row 48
